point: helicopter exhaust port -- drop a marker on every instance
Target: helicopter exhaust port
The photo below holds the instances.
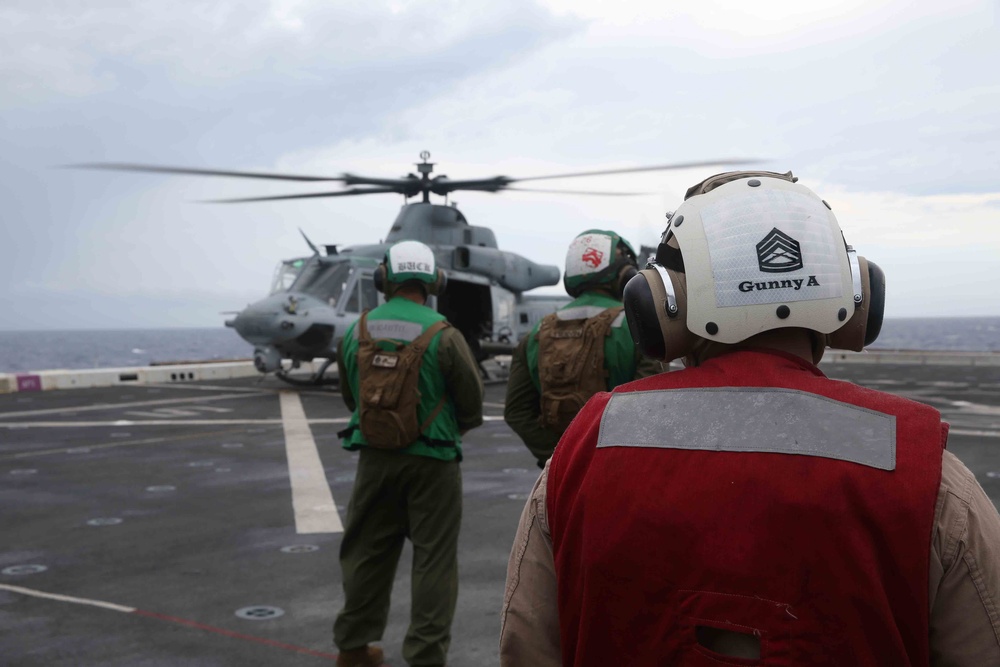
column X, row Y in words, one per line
column 266, row 359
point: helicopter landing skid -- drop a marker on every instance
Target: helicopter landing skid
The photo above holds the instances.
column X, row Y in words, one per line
column 314, row 380
column 492, row 372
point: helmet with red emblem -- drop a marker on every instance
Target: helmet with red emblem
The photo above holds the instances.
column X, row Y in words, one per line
column 599, row 258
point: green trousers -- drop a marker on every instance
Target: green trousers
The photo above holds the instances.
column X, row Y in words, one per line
column 397, row 496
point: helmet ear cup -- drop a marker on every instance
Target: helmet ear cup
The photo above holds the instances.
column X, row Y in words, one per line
column 439, row 284
column 654, row 331
column 866, row 322
column 379, row 278
column 625, row 274
column 640, row 312
column 876, row 307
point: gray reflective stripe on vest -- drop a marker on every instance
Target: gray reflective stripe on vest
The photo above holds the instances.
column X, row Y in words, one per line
column 398, row 329
column 750, row 419
column 586, row 312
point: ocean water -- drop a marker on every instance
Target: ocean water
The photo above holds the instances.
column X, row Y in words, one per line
column 973, row 334
column 22, row 351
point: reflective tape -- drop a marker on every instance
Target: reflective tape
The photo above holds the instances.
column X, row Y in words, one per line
column 586, row 312
column 750, row 419
column 398, row 329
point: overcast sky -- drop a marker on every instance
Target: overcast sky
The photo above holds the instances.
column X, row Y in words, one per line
column 889, row 110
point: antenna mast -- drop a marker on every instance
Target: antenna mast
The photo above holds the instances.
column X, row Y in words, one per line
column 425, row 168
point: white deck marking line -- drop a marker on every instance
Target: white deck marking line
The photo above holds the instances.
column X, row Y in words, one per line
column 93, row 448
column 488, row 404
column 133, row 404
column 981, row 434
column 67, row 598
column 303, row 391
column 315, row 511
column 200, row 387
column 120, row 423
column 170, row 619
column 113, row 445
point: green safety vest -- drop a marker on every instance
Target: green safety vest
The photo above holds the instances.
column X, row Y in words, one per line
column 403, row 321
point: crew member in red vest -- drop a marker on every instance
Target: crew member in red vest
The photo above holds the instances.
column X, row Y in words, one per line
column 748, row 510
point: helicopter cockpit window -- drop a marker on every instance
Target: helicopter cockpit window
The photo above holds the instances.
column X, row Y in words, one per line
column 285, row 274
column 363, row 294
column 326, row 282
column 369, row 295
column 352, row 302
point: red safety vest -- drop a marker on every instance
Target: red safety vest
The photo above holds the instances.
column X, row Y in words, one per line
column 750, row 494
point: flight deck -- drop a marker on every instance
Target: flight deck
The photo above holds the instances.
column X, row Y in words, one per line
column 199, row 523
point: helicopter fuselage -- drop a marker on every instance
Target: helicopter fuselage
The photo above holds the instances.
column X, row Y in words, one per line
column 484, row 297
column 486, row 301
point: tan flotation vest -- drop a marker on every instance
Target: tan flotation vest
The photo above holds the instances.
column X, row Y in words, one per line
column 389, row 388
column 571, row 365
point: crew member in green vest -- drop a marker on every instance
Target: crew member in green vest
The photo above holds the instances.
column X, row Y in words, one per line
column 581, row 349
column 415, row 389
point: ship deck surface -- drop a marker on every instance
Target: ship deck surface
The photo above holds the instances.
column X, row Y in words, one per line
column 156, row 524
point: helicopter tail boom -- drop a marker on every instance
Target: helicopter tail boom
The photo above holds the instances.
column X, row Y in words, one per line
column 510, row 270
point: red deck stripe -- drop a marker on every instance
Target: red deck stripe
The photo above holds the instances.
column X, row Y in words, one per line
column 235, row 635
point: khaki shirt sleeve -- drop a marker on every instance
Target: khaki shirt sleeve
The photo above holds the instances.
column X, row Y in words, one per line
column 523, row 406
column 529, row 622
column 462, row 378
column 965, row 572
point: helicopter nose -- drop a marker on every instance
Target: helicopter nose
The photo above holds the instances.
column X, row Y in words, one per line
column 295, row 324
column 264, row 322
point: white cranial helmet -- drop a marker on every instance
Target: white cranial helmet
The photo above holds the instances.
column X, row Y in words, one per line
column 762, row 253
column 748, row 252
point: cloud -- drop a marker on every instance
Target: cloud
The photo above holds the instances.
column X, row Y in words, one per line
column 885, row 109
column 53, row 49
column 929, row 221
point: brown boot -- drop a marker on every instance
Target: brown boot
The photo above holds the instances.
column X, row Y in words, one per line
column 366, row 656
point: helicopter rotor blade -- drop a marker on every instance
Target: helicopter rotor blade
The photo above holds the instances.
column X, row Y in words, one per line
column 407, row 182
column 311, row 246
column 632, row 170
column 443, row 185
column 408, row 186
column 311, row 195
column 595, row 193
column 158, row 169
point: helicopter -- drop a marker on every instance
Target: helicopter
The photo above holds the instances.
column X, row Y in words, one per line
column 317, row 297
